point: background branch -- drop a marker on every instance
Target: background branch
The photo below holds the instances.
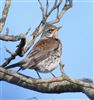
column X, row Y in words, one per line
column 19, row 49
column 4, row 14
column 6, row 37
column 67, row 5
column 44, row 23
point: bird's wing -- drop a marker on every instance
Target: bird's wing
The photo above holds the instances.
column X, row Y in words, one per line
column 41, row 51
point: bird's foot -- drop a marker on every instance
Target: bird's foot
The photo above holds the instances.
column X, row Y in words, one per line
column 38, row 74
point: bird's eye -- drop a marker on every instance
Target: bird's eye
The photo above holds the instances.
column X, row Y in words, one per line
column 49, row 31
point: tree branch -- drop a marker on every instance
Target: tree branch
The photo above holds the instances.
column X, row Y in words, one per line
column 67, row 5
column 43, row 23
column 56, row 5
column 42, row 9
column 51, row 85
column 12, row 38
column 40, row 28
column 4, row 14
column 19, row 49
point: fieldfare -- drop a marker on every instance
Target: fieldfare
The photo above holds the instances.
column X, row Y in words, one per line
column 45, row 55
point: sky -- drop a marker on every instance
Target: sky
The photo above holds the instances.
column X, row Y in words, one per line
column 76, row 36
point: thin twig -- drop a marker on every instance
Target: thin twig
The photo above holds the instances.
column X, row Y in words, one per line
column 29, row 29
column 41, row 27
column 8, row 51
column 4, row 14
column 67, row 5
column 56, row 5
column 42, row 9
column 19, row 49
column 6, row 37
column 47, row 5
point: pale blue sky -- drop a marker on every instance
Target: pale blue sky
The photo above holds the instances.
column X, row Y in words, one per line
column 76, row 36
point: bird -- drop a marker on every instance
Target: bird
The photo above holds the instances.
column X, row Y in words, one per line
column 45, row 55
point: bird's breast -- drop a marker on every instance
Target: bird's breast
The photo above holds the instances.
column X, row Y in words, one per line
column 50, row 63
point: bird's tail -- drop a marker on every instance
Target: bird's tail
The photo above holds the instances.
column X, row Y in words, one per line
column 18, row 64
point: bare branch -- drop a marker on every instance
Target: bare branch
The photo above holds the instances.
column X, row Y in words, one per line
column 12, row 38
column 4, row 14
column 23, row 46
column 51, row 85
column 47, row 5
column 18, row 51
column 38, row 30
column 56, row 5
column 41, row 27
column 29, row 29
column 64, row 9
column 8, row 51
column 42, row 10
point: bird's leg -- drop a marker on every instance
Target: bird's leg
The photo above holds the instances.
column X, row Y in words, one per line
column 52, row 74
column 19, row 70
column 38, row 74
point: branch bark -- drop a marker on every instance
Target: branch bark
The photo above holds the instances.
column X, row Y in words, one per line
column 4, row 14
column 6, row 37
column 67, row 6
column 51, row 85
column 18, row 51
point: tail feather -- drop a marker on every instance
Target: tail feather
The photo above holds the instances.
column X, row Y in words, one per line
column 19, row 64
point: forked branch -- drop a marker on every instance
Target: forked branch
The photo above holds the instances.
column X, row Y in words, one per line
column 17, row 51
column 20, row 46
column 43, row 23
column 60, row 14
column 52, row 85
column 55, row 6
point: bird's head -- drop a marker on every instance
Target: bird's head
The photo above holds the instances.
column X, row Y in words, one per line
column 51, row 32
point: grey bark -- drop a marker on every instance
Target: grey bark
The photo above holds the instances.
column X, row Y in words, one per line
column 53, row 85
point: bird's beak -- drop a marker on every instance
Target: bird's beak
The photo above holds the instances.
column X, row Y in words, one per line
column 58, row 28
